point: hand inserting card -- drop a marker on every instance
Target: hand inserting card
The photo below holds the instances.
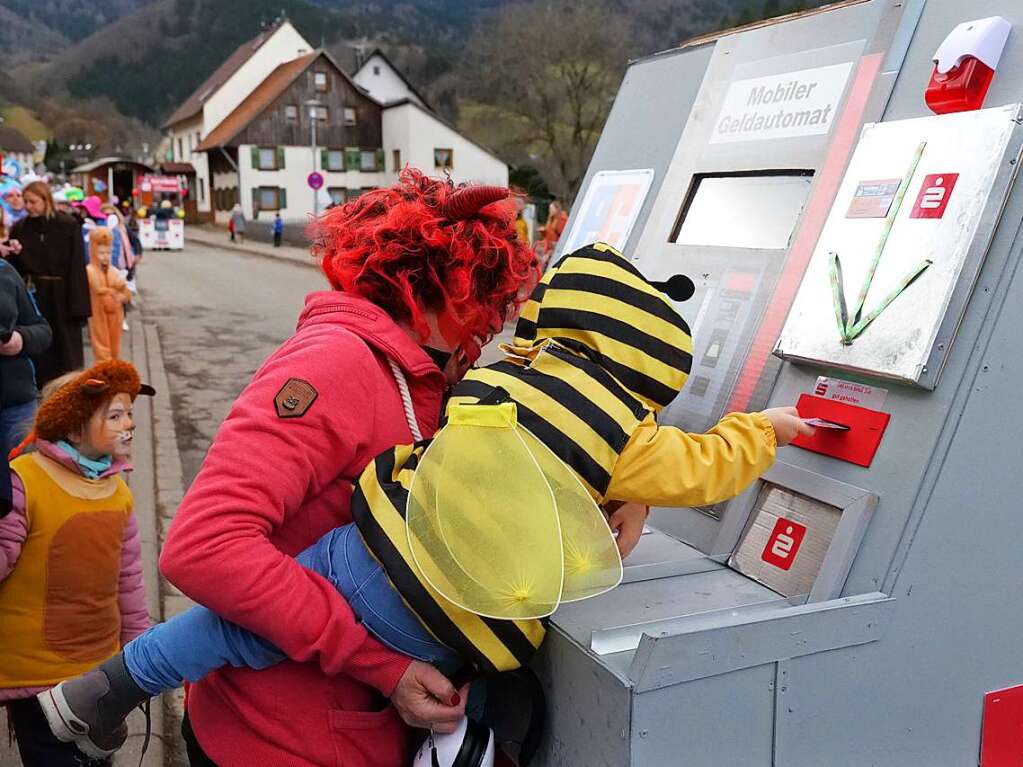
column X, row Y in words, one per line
column 820, row 423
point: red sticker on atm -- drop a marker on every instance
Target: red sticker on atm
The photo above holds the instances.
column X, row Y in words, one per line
column 857, row 443
column 784, row 543
column 935, row 192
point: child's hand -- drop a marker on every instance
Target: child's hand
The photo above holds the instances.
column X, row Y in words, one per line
column 787, row 424
column 628, row 520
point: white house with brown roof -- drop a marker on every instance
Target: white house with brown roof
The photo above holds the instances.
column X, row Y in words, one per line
column 219, row 95
column 385, row 82
column 261, row 151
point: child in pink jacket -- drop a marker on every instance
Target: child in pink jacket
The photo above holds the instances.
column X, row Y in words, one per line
column 71, row 590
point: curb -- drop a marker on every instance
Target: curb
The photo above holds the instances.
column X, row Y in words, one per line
column 287, row 253
column 143, row 483
column 169, row 491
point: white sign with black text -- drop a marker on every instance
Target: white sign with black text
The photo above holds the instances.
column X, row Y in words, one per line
column 801, row 103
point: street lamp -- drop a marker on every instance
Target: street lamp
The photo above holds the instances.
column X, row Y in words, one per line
column 314, row 107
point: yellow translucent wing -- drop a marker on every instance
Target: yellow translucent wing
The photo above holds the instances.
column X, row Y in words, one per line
column 482, row 520
column 592, row 562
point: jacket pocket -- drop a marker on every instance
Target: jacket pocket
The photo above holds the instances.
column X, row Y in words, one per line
column 369, row 738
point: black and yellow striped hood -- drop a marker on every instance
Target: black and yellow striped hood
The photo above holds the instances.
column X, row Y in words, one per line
column 598, row 304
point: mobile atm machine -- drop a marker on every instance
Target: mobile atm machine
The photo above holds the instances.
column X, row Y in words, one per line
column 856, row 253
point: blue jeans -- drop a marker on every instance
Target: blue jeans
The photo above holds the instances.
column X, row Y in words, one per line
column 191, row 645
column 15, row 424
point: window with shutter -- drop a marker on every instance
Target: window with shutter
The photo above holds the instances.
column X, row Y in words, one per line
column 334, row 160
column 270, row 198
column 321, row 82
column 397, row 160
column 351, row 118
column 368, row 160
column 338, row 194
column 353, row 158
column 268, row 158
column 291, row 113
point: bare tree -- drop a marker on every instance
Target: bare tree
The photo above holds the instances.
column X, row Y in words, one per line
column 552, row 68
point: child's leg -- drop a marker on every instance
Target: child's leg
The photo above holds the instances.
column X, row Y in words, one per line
column 197, row 642
column 191, row 645
column 364, row 584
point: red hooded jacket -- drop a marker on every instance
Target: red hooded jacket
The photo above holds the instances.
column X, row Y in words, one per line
column 270, row 487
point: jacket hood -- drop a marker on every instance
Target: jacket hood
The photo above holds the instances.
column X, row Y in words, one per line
column 372, row 324
column 598, row 304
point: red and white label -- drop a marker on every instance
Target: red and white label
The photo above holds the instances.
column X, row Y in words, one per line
column 934, row 195
column 784, row 543
column 872, row 397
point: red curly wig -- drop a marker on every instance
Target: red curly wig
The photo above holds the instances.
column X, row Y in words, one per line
column 427, row 245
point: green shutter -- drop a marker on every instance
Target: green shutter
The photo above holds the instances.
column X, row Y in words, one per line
column 381, row 161
column 282, row 197
column 353, row 158
column 255, row 199
column 255, row 157
column 325, row 159
column 280, row 158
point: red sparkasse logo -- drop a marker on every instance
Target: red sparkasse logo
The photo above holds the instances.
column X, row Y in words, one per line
column 784, row 543
column 935, row 192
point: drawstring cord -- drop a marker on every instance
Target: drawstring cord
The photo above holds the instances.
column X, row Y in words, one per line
column 406, row 400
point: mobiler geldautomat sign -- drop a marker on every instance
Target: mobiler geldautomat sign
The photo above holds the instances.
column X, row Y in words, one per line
column 802, row 103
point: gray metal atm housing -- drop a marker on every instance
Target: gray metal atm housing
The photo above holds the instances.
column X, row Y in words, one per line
column 916, row 611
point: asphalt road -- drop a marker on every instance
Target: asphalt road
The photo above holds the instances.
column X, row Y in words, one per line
column 219, row 315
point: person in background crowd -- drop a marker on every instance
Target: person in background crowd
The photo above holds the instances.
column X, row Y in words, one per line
column 52, row 264
column 71, row 590
column 14, row 203
column 521, row 227
column 278, row 229
column 109, row 293
column 123, row 253
column 238, row 222
column 23, row 333
column 557, row 219
column 93, row 206
column 60, row 201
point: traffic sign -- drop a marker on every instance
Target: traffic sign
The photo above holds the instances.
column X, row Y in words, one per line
column 315, row 180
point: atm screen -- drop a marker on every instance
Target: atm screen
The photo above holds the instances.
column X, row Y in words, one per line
column 735, row 230
column 743, row 210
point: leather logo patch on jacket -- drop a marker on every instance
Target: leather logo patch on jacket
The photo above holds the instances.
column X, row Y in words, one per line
column 295, row 398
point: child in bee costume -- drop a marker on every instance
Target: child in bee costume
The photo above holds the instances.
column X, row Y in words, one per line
column 462, row 544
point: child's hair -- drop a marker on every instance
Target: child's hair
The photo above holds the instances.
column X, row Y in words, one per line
column 101, row 235
column 416, row 247
column 50, row 388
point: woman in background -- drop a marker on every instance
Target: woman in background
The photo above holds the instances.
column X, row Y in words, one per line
column 52, row 264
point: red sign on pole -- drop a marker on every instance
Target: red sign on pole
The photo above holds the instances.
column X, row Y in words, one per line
column 315, row 180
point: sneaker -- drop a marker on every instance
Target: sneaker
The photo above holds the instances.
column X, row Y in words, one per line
column 89, row 710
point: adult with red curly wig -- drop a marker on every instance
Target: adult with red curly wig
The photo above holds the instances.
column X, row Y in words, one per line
column 422, row 274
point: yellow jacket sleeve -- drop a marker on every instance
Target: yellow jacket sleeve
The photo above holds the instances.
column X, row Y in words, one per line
column 665, row 466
